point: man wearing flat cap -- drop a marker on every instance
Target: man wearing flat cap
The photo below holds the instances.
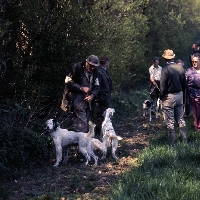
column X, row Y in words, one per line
column 81, row 87
column 172, row 86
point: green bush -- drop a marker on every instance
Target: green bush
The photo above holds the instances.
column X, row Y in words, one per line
column 23, row 144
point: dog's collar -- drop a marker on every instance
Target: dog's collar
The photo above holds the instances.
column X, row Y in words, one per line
column 110, row 129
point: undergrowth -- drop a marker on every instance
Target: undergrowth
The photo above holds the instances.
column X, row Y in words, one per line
column 164, row 171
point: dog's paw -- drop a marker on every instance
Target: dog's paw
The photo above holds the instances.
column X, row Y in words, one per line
column 56, row 164
column 96, row 160
column 103, row 157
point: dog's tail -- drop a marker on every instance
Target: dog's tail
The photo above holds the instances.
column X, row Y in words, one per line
column 91, row 132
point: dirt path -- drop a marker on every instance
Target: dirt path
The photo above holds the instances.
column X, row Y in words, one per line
column 77, row 181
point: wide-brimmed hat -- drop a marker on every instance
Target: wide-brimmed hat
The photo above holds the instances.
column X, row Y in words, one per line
column 93, row 60
column 168, row 54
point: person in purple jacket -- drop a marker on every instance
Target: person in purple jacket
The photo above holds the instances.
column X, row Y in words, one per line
column 193, row 83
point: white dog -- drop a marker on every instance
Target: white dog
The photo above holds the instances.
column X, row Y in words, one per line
column 63, row 138
column 109, row 137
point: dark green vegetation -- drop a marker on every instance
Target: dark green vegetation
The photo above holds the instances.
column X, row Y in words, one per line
column 40, row 40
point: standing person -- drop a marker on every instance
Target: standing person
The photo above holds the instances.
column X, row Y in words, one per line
column 103, row 100
column 105, row 81
column 180, row 62
column 82, row 85
column 193, row 83
column 185, row 94
column 154, row 88
column 172, row 86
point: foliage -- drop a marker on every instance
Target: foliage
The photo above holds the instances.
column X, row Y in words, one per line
column 40, row 40
column 39, row 44
column 23, row 145
column 163, row 170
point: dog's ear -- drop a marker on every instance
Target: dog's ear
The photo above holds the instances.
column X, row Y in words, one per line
column 55, row 124
column 111, row 114
column 148, row 103
column 104, row 114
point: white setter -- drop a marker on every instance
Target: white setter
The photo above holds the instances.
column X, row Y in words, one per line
column 62, row 138
column 109, row 137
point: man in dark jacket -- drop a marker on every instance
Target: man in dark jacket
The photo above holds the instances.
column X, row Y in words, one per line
column 105, row 81
column 172, row 86
column 83, row 85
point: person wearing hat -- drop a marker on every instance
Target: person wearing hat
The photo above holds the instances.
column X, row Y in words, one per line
column 154, row 88
column 105, row 81
column 82, row 86
column 172, row 86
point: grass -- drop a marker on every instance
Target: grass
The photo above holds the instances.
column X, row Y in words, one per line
column 164, row 171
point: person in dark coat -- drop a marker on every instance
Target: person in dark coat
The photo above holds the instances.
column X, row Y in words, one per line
column 103, row 100
column 82, row 84
column 105, row 81
column 185, row 94
column 172, row 85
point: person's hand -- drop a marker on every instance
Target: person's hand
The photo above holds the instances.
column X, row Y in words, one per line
column 85, row 89
column 193, row 46
column 89, row 97
column 154, row 83
column 68, row 79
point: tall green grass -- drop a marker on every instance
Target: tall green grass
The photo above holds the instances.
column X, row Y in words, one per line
column 164, row 171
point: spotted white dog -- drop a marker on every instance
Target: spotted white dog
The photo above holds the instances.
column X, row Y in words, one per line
column 62, row 138
column 149, row 108
column 109, row 137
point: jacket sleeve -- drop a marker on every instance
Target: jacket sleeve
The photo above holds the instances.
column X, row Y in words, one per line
column 73, row 85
